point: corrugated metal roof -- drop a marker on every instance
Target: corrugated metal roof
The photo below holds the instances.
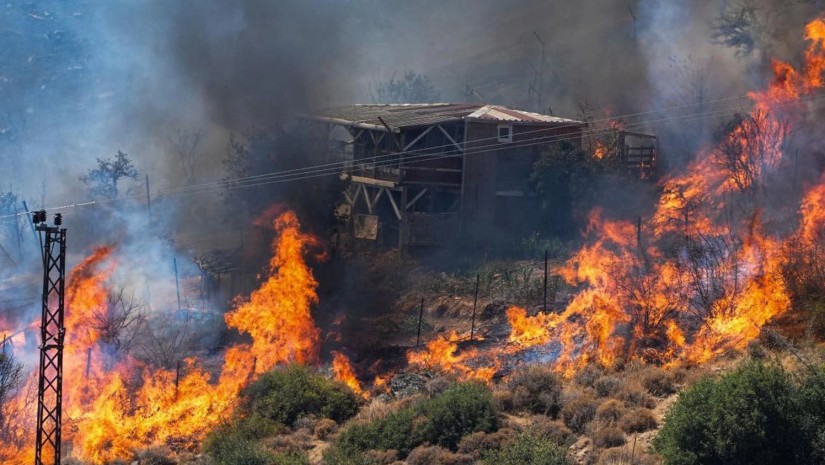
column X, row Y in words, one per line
column 424, row 114
column 499, row 113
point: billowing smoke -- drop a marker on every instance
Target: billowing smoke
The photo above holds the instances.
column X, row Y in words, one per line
column 82, row 80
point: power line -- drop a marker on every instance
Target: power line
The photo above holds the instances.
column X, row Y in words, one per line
column 389, row 158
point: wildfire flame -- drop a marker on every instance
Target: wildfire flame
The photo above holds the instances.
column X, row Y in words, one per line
column 442, row 355
column 115, row 405
column 723, row 283
column 342, row 368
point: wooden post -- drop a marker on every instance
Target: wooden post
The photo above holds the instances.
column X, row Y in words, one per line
column 545, row 280
column 4, row 345
column 420, row 317
column 403, row 224
column 177, row 283
column 177, row 379
column 475, row 303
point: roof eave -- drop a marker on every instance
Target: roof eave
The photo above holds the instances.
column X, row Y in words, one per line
column 354, row 124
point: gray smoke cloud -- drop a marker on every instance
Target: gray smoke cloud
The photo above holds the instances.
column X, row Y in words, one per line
column 81, row 80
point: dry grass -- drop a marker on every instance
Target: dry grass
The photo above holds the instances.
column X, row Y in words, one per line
column 434, row 455
column 610, row 412
column 324, row 428
column 551, row 430
column 476, row 444
column 382, row 457
column 607, row 385
column 578, row 411
column 661, row 382
column 626, row 455
column 638, row 420
column 608, row 437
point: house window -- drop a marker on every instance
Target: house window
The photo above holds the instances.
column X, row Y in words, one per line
column 505, row 133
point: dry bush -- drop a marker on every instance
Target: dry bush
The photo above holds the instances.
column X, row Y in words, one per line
column 376, row 410
column 551, row 430
column 476, row 444
column 756, row 350
column 436, row 386
column 188, row 458
column 588, row 375
column 155, row 456
column 434, row 455
column 381, row 457
column 635, row 395
column 638, row 420
column 503, row 400
column 608, row 437
column 660, row 382
column 296, row 442
column 626, row 455
column 536, row 389
column 607, row 385
column 306, row 424
column 324, row 428
column 609, row 412
column 578, row 412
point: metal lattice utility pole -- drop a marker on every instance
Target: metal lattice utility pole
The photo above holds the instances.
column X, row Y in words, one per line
column 50, row 384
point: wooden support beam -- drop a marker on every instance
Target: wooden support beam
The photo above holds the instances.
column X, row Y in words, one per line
column 426, row 131
column 394, row 205
column 447, row 135
column 415, row 199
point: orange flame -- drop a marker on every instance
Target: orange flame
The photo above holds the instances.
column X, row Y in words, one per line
column 125, row 406
column 442, row 355
column 342, row 368
column 277, row 315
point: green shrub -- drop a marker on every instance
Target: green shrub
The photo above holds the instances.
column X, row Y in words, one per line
column 394, row 431
column 337, row 454
column 536, row 389
column 747, row 416
column 461, row 409
column 527, row 449
column 292, row 458
column 285, row 394
column 811, row 398
column 227, row 447
column 443, row 420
